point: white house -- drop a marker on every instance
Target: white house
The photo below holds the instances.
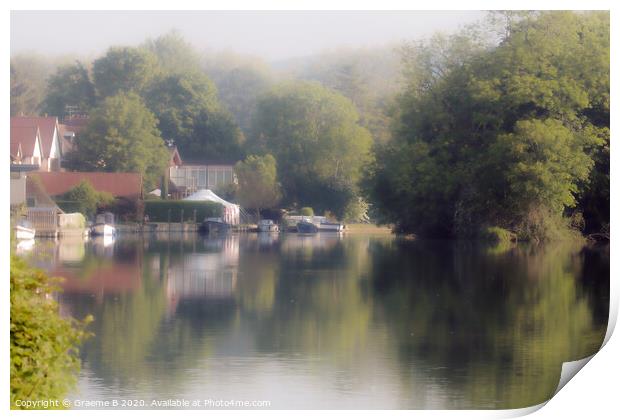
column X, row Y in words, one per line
column 49, row 138
column 187, row 177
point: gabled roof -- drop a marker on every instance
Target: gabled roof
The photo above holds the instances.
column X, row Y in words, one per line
column 119, row 184
column 16, row 150
column 175, row 157
column 24, row 138
column 75, row 123
column 47, row 126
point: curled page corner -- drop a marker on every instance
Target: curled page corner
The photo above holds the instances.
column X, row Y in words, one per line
column 570, row 369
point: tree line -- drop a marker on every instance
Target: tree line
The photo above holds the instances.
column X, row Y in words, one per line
column 503, row 124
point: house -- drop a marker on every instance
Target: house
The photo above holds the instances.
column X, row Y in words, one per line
column 125, row 185
column 49, row 139
column 189, row 176
column 26, row 146
column 70, row 127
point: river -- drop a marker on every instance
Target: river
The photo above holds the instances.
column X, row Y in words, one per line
column 328, row 321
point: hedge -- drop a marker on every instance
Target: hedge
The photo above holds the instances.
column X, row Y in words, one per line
column 69, row 206
column 125, row 210
column 158, row 210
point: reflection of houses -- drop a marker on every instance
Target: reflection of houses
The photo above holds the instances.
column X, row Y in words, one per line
column 187, row 177
column 26, row 132
column 204, row 275
column 111, row 278
column 86, row 272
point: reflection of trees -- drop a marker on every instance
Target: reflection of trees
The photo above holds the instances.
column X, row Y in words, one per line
column 495, row 328
column 319, row 306
column 478, row 328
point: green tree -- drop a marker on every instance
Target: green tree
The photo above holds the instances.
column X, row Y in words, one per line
column 124, row 69
column 87, row 198
column 495, row 132
column 29, row 73
column 189, row 113
column 122, row 136
column 258, row 186
column 174, row 54
column 240, row 82
column 69, row 86
column 314, row 135
column 44, row 345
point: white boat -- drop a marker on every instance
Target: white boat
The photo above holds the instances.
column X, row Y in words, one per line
column 325, row 225
column 102, row 229
column 267, row 225
column 104, row 225
column 24, row 232
column 331, row 227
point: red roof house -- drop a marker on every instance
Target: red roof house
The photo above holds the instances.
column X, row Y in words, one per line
column 25, row 145
column 119, row 184
column 49, row 136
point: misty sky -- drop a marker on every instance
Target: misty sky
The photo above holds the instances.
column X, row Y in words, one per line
column 272, row 35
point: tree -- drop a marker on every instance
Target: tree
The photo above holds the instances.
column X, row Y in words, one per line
column 498, row 134
column 189, row 113
column 28, row 75
column 258, row 187
column 124, row 69
column 69, row 86
column 122, row 136
column 174, row 54
column 87, row 198
column 314, row 134
column 240, row 82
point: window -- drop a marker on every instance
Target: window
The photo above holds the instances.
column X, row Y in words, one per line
column 202, row 179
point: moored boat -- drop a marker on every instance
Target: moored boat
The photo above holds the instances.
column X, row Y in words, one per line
column 104, row 225
column 307, row 227
column 24, row 232
column 267, row 225
column 102, row 229
column 331, row 227
column 214, row 225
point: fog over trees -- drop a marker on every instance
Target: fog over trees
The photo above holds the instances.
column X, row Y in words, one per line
column 504, row 123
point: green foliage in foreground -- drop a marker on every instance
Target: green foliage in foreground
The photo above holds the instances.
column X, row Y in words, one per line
column 512, row 134
column 44, row 345
column 179, row 210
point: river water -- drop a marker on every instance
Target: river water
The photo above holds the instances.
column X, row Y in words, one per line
column 328, row 321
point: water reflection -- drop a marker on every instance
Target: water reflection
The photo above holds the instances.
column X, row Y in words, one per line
column 330, row 321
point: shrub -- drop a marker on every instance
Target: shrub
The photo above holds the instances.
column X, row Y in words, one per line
column 179, row 210
column 497, row 235
column 306, row 211
column 83, row 198
column 44, row 345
